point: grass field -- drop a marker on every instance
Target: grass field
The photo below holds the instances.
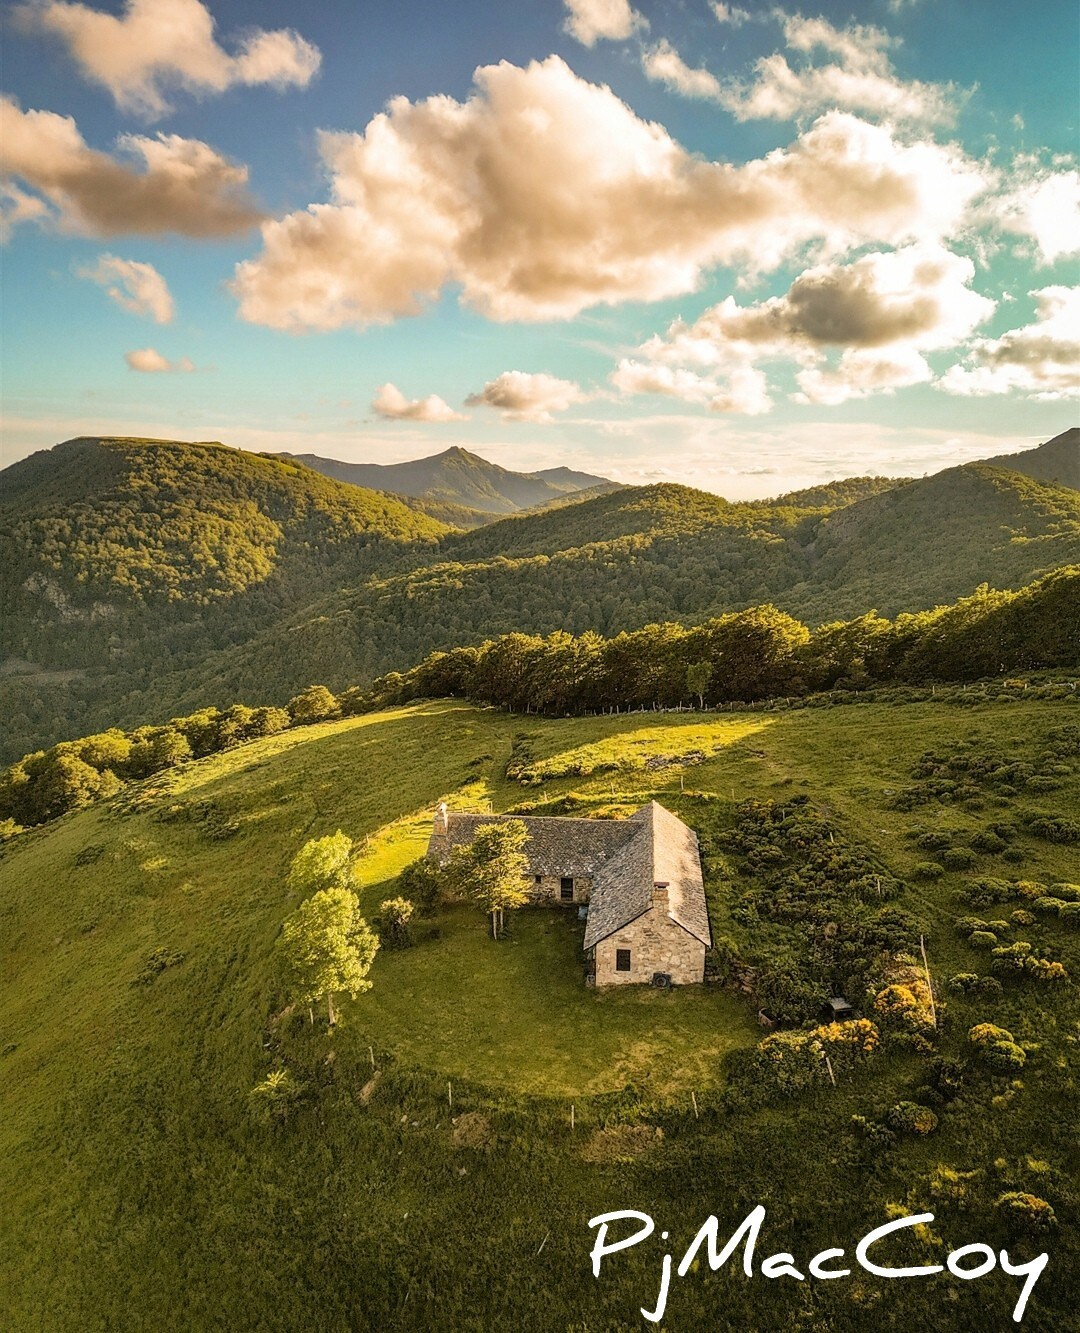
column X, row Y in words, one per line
column 139, row 1193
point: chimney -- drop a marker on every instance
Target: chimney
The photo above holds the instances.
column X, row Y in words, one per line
column 660, row 896
column 440, row 820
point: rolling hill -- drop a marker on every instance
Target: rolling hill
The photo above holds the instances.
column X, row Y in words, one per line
column 141, row 1007
column 1056, row 461
column 297, row 577
column 120, row 558
column 462, row 479
column 661, row 553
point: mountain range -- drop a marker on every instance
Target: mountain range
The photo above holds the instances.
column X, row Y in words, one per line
column 459, row 487
column 142, row 578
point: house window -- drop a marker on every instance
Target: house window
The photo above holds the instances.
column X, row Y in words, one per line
column 622, row 960
column 566, row 889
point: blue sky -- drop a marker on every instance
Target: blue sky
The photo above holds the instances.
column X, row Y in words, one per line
column 741, row 246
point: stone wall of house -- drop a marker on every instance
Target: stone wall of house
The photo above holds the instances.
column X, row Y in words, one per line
column 548, row 892
column 656, row 944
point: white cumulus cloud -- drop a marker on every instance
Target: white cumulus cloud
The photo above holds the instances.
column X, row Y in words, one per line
column 155, row 45
column 589, row 21
column 137, row 287
column 544, row 195
column 1042, row 204
column 151, row 362
column 169, row 184
column 852, row 329
column 390, row 403
column 1041, row 358
column 521, row 396
column 744, row 389
column 834, row 69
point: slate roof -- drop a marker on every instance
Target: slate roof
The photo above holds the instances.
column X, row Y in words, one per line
column 663, row 851
column 623, row 857
column 556, row 846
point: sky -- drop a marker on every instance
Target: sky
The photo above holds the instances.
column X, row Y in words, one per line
column 740, row 246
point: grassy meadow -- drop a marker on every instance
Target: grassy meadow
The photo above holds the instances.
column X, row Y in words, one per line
column 140, row 1005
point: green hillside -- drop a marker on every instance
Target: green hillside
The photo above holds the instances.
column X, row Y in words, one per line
column 141, row 1005
column 1056, row 461
column 656, row 554
column 123, row 558
column 144, row 579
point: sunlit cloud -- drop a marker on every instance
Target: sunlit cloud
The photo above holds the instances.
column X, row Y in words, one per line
column 520, row 396
column 157, row 45
column 167, row 184
column 392, row 405
column 149, row 361
column 136, row 287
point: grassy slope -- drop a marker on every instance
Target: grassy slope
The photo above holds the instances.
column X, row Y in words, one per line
column 138, row 1193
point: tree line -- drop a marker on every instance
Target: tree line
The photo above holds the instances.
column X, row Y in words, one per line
column 740, row 658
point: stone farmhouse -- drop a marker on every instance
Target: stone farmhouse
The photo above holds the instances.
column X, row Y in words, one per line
column 639, row 879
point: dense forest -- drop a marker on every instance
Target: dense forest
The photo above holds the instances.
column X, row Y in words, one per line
column 739, row 658
column 142, row 579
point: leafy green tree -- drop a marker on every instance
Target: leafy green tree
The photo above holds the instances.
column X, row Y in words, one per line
column 492, row 869
column 698, row 679
column 325, row 949
column 315, row 704
column 322, row 863
column 422, row 883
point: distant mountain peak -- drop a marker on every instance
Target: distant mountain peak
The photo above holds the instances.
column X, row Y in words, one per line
column 458, row 478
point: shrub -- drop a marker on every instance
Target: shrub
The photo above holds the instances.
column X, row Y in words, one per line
column 275, row 1097
column 989, row 986
column 963, row 982
column 1070, row 892
column 982, row 939
column 1022, row 917
column 1019, row 958
column 996, row 1048
column 928, row 870
column 1047, row 904
column 966, row 924
column 911, row 1118
column 958, row 858
column 1029, row 889
column 986, row 892
column 1026, row 1212
column 392, row 923
column 1070, row 915
column 988, row 841
column 1054, row 828
column 933, row 841
column 791, row 1061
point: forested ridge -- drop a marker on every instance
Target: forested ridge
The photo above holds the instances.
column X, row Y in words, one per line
column 736, row 659
column 143, row 578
